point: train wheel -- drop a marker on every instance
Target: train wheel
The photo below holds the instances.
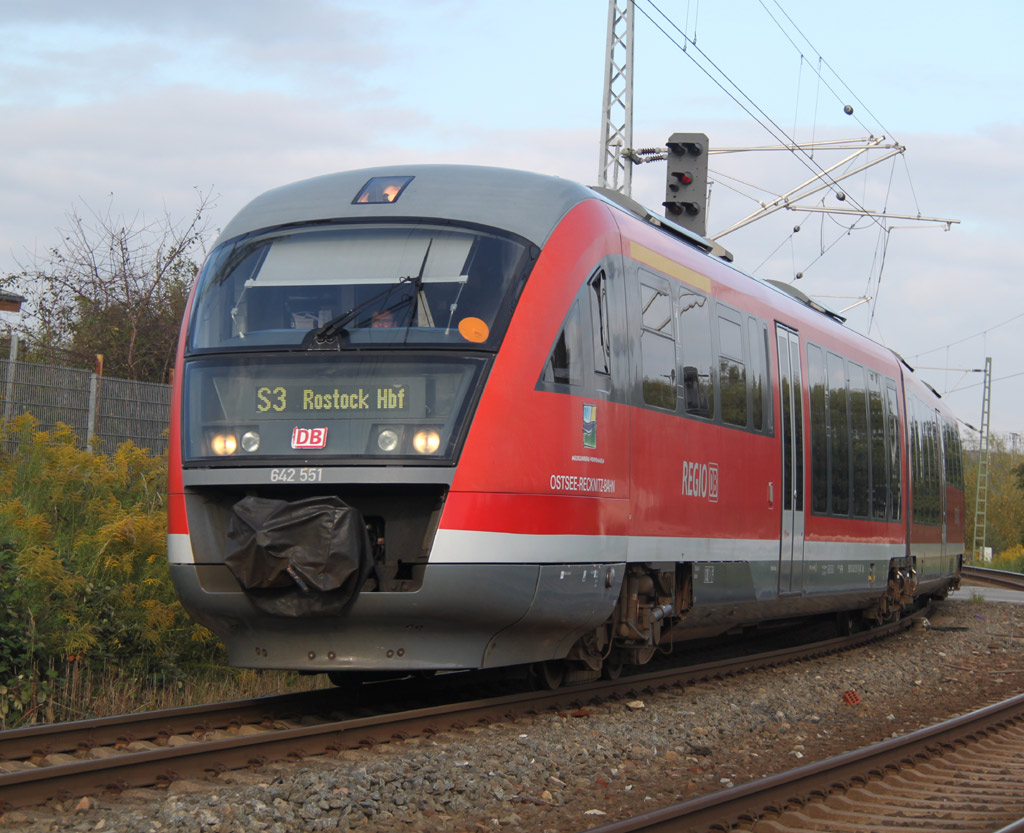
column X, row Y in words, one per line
column 846, row 622
column 549, row 675
column 894, row 614
column 611, row 670
column 348, row 683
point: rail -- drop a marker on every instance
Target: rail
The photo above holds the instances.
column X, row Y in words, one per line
column 954, row 761
column 160, row 747
column 992, row 578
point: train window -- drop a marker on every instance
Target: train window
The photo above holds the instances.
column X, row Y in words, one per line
column 657, row 343
column 798, row 423
column 859, row 439
column 892, row 436
column 839, row 436
column 599, row 323
column 697, row 354
column 565, row 364
column 757, row 333
column 819, row 429
column 951, row 443
column 879, row 460
column 732, row 371
column 922, row 462
column 785, row 417
column 440, row 286
column 959, row 457
column 656, row 308
column 914, row 440
column 934, row 467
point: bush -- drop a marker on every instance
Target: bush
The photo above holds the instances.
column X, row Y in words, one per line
column 1011, row 559
column 83, row 569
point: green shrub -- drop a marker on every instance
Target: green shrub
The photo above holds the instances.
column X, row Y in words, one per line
column 1011, row 559
column 83, row 569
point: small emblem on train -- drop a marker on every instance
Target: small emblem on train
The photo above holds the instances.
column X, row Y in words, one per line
column 700, row 480
column 309, row 437
column 590, row 426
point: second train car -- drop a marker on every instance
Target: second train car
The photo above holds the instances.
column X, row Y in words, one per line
column 449, row 417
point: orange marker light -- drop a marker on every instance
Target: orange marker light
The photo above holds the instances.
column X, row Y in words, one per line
column 473, row 329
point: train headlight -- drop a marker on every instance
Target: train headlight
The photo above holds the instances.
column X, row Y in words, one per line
column 426, row 441
column 387, row 440
column 223, row 444
column 251, row 441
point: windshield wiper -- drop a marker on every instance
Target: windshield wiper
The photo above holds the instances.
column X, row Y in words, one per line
column 336, row 326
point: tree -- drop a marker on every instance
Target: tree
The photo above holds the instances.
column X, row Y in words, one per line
column 1005, row 504
column 112, row 286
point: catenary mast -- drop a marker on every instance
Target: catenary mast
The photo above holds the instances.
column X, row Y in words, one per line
column 615, row 170
column 981, row 496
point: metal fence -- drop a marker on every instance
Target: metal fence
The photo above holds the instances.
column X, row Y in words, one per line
column 102, row 411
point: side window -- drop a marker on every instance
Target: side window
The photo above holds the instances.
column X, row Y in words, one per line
column 819, row 429
column 697, row 354
column 859, row 440
column 732, row 370
column 599, row 323
column 657, row 343
column 916, row 464
column 925, row 462
column 758, row 334
column 892, row 434
column 565, row 365
column 839, row 435
column 879, row 459
column 934, row 462
column 954, row 470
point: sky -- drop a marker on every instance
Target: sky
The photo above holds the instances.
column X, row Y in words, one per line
column 142, row 108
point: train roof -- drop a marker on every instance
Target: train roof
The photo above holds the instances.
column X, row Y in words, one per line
column 527, row 204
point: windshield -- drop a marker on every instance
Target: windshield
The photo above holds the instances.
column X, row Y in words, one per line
column 379, row 285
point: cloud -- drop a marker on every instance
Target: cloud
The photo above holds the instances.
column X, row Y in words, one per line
column 149, row 102
column 103, row 51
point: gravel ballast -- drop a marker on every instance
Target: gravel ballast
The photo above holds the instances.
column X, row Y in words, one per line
column 577, row 769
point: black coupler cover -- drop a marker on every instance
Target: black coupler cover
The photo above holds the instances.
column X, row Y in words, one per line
column 306, row 557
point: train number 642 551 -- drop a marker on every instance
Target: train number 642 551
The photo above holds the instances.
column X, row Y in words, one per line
column 303, row 475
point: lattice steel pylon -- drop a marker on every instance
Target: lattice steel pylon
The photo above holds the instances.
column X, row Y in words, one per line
column 615, row 170
column 981, row 498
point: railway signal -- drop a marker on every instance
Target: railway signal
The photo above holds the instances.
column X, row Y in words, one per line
column 686, row 185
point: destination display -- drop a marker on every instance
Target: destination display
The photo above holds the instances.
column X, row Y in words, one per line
column 326, row 406
column 397, row 397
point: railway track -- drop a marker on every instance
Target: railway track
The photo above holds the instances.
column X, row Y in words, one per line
column 992, row 578
column 965, row 774
column 39, row 763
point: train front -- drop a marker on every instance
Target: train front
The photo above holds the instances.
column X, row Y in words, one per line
column 337, row 342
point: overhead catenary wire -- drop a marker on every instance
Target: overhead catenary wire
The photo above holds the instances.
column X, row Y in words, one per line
column 978, row 384
column 968, row 338
column 792, row 33
column 821, row 60
column 761, row 117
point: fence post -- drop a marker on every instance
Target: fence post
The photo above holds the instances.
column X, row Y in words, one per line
column 94, row 383
column 9, row 392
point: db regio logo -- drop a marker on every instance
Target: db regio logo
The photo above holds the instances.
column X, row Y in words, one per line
column 701, row 480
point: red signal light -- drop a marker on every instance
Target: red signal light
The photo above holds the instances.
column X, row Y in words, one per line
column 684, row 177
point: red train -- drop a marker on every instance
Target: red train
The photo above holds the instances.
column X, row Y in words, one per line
column 451, row 417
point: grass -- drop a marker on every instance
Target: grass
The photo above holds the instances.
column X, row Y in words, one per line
column 82, row 693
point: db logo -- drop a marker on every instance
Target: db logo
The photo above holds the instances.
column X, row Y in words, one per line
column 309, row 437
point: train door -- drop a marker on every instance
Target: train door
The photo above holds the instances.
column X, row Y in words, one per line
column 791, row 542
